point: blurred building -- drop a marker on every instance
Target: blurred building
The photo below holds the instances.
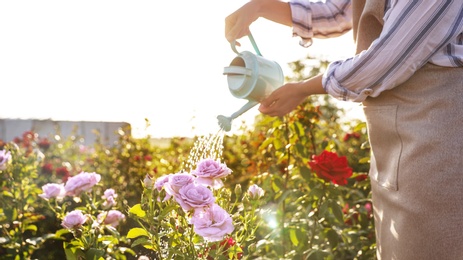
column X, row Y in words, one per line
column 88, row 130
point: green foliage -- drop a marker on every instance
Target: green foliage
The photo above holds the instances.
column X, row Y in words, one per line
column 164, row 230
column 19, row 209
column 307, row 218
column 300, row 216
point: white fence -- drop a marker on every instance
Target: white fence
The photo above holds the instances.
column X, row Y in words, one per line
column 11, row 128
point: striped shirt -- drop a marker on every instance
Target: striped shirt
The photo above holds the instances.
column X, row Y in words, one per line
column 415, row 32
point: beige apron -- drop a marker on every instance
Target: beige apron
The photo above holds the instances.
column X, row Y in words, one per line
column 416, row 137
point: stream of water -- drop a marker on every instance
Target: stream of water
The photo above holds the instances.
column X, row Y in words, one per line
column 207, row 146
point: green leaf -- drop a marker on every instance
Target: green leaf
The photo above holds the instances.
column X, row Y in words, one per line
column 167, row 210
column 266, row 142
column 59, row 233
column 7, row 194
column 108, row 240
column 277, row 143
column 332, row 237
column 323, row 208
column 137, row 232
column 277, row 185
column 317, row 193
column 305, row 173
column 364, row 160
column 140, row 241
column 293, row 236
column 94, row 254
column 31, row 227
column 137, row 210
column 337, row 211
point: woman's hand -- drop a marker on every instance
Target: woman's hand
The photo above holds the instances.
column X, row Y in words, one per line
column 286, row 98
column 237, row 24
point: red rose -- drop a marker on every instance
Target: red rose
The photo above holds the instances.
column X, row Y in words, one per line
column 348, row 136
column 63, row 172
column 47, row 168
column 330, row 167
column 44, row 143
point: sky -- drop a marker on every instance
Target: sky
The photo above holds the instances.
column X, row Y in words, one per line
column 128, row 61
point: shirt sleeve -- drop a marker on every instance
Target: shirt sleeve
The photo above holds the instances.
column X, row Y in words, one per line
column 317, row 19
column 413, row 32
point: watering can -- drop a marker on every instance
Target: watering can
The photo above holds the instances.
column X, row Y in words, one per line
column 252, row 77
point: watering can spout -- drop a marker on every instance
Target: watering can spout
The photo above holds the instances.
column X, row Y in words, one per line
column 225, row 122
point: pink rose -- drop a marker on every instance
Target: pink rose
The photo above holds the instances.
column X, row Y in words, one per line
column 194, row 196
column 212, row 223
column 4, row 158
column 53, row 190
column 255, row 192
column 209, row 172
column 109, row 193
column 177, row 181
column 110, row 198
column 112, row 217
column 82, row 182
column 159, row 183
column 74, row 219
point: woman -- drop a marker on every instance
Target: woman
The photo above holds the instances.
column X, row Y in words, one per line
column 408, row 73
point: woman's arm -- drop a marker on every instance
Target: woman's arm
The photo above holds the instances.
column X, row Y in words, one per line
column 317, row 19
column 414, row 33
column 237, row 24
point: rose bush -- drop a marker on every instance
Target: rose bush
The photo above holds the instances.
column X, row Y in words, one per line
column 92, row 225
column 280, row 206
column 185, row 215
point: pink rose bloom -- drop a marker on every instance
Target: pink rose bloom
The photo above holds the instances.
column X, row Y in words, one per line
column 82, row 182
column 255, row 192
column 53, row 190
column 4, row 158
column 209, row 172
column 110, row 198
column 74, row 219
column 194, row 196
column 159, row 183
column 109, row 193
column 177, row 181
column 212, row 223
column 112, row 217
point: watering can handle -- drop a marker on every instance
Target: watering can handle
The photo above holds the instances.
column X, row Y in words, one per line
column 253, row 42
